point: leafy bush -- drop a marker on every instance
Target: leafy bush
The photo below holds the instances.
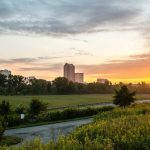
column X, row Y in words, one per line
column 72, row 113
column 14, row 119
column 5, row 108
column 37, row 106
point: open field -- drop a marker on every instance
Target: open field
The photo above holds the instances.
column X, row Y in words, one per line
column 65, row 100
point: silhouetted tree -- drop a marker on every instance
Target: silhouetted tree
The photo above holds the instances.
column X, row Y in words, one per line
column 124, row 97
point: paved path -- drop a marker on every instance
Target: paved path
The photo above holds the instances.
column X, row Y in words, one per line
column 46, row 132
column 142, row 101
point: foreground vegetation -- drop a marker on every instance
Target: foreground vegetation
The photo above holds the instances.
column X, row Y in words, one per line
column 120, row 129
column 65, row 100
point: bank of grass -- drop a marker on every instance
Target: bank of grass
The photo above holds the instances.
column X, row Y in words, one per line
column 65, row 100
column 9, row 141
column 120, row 129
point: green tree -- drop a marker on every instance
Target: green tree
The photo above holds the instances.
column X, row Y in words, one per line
column 36, row 106
column 3, row 80
column 124, row 97
column 16, row 84
column 62, row 85
column 38, row 86
column 5, row 108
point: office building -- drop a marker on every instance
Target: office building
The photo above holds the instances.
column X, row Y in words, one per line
column 102, row 81
column 69, row 72
column 79, row 77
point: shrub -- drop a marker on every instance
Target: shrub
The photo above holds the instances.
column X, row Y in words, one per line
column 5, row 108
column 124, row 97
column 37, row 106
column 15, row 120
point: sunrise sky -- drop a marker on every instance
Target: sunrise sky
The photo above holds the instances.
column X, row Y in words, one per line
column 103, row 38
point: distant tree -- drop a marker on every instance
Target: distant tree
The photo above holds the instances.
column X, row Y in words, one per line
column 38, row 86
column 124, row 97
column 16, row 84
column 3, row 80
column 61, row 85
column 36, row 106
column 5, row 108
column 49, row 87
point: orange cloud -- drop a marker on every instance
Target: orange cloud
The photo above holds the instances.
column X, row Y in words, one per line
column 136, row 67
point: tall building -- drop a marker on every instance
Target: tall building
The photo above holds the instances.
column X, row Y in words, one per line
column 102, row 81
column 69, row 72
column 79, row 77
column 5, row 72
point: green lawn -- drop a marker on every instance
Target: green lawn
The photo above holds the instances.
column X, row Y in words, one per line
column 65, row 100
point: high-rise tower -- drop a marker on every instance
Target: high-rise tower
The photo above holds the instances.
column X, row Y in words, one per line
column 69, row 72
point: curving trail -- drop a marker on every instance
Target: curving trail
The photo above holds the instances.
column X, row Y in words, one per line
column 46, row 132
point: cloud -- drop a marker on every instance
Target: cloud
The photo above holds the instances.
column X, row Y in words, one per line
column 29, row 60
column 137, row 66
column 65, row 17
column 81, row 52
column 43, row 67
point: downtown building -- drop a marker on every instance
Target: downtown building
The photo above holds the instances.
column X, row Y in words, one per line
column 79, row 77
column 102, row 81
column 69, row 73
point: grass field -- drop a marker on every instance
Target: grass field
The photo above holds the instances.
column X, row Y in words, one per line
column 65, row 100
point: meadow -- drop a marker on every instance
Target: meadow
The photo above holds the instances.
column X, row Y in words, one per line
column 65, row 100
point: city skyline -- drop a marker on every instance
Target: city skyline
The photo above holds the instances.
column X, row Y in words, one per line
column 103, row 38
column 71, row 74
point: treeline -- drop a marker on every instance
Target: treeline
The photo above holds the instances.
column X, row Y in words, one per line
column 19, row 85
